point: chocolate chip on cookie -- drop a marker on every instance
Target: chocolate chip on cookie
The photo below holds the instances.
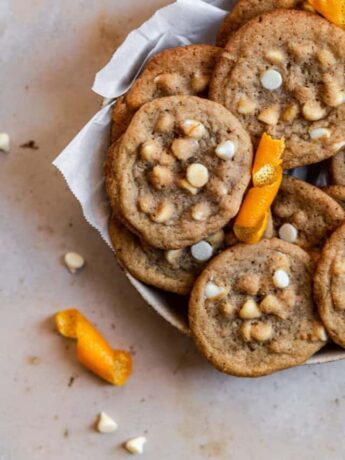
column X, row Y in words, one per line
column 251, row 310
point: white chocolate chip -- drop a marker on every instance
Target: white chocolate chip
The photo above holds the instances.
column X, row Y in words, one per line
column 173, row 255
column 150, row 151
column 169, row 82
column 136, row 445
column 163, row 213
column 246, row 330
column 272, row 305
column 288, row 232
column 250, row 310
column 226, row 150
column 318, row 133
column 202, row 251
column 212, row 291
column 184, row 148
column 186, row 185
column 320, row 332
column 200, row 212
column 197, row 175
column 262, row 332
column 281, row 279
column 165, row 123
column 146, row 203
column 275, row 56
column 200, row 82
column 73, row 261
column 106, row 424
column 246, row 106
column 271, row 80
column 161, row 177
column 290, row 113
column 193, row 128
column 270, row 115
column 313, row 111
column 4, row 142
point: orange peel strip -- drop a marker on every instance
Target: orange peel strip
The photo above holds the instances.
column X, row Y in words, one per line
column 268, row 158
column 333, row 10
column 93, row 351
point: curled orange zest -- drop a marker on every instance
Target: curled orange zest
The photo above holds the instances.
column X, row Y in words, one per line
column 333, row 10
column 93, row 351
column 267, row 174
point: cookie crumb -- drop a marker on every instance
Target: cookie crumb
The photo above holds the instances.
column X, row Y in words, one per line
column 29, row 145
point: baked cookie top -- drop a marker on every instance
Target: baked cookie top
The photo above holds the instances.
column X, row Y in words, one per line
column 337, row 168
column 305, row 215
column 245, row 10
column 337, row 192
column 182, row 168
column 284, row 73
column 184, row 70
column 251, row 310
column 172, row 270
column 329, row 286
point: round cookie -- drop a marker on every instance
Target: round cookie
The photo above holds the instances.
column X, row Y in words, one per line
column 284, row 73
column 251, row 311
column 329, row 286
column 305, row 215
column 337, row 192
column 245, row 10
column 184, row 70
column 173, row 270
column 337, row 168
column 181, row 170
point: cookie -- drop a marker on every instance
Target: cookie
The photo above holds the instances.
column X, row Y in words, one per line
column 304, row 215
column 283, row 73
column 337, row 192
column 337, row 168
column 184, row 70
column 251, row 311
column 181, row 170
column 245, row 10
column 329, row 286
column 173, row 270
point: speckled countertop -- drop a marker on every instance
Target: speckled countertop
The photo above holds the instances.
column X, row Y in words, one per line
column 50, row 51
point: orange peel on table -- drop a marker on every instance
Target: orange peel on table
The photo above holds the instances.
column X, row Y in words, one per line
column 333, row 10
column 93, row 351
column 267, row 175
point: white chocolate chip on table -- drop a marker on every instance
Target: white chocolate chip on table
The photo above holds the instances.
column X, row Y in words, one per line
column 135, row 446
column 74, row 261
column 4, row 142
column 106, row 424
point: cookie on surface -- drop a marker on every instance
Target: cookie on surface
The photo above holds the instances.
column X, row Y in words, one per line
column 181, row 170
column 284, row 73
column 337, row 168
column 184, row 70
column 172, row 270
column 329, row 286
column 305, row 215
column 245, row 10
column 251, row 310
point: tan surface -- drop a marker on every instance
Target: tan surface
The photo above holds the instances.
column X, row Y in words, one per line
column 189, row 410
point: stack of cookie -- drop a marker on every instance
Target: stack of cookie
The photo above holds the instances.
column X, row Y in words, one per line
column 180, row 163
